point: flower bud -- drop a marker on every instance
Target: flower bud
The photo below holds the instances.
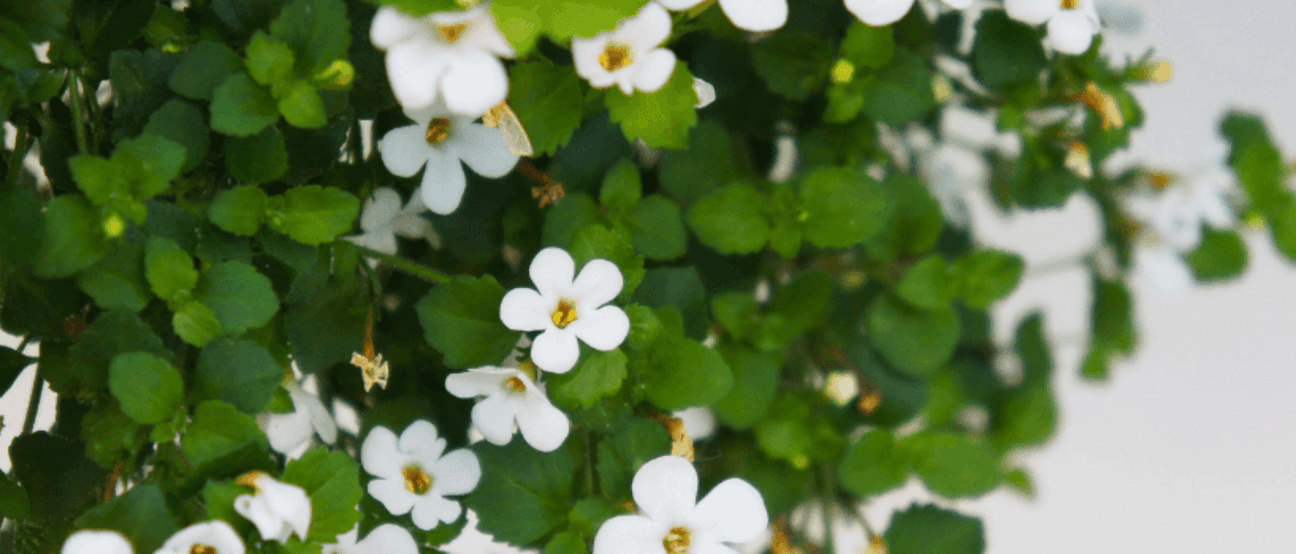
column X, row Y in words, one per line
column 338, row 75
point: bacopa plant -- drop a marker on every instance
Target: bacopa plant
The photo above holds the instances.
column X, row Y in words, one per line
column 323, row 276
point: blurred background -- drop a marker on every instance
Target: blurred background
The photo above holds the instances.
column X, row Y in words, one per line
column 1190, row 447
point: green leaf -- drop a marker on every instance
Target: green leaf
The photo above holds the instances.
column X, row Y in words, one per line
column 589, row 514
column 169, row 269
column 218, row 430
column 139, row 80
column 110, row 435
column 12, row 363
column 755, row 383
column 60, row 482
column 903, row 91
column 1028, row 417
column 313, row 214
column 22, row 226
column 843, row 207
column 933, row 530
column 622, row 187
column 597, row 376
column 1006, row 51
column 196, row 324
column 180, row 122
column 926, row 285
column 319, row 32
column 148, row 163
column 149, row 388
column 1112, row 311
column 985, row 276
column 916, row 342
column 258, row 158
column 461, row 321
column 681, row 373
column 13, row 500
column 527, row 491
column 114, row 332
column 240, row 210
column 953, row 465
column 326, row 329
column 631, row 442
column 142, row 515
column 873, row 465
column 567, row 542
column 269, row 60
column 566, row 19
column 915, row 224
column 657, row 229
column 117, row 280
column 705, row 166
column 238, row 372
column 203, row 69
column 302, row 106
column 793, row 63
column 1221, row 256
column 663, row 118
column 73, row 238
column 795, row 429
column 731, row 220
column 868, row 46
column 332, row 480
column 678, row 287
column 644, row 326
column 240, row 107
column 239, row 296
column 598, row 242
column 573, row 213
column 547, row 101
column 1031, row 346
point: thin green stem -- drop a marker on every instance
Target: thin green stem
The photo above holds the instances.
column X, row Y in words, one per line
column 96, row 113
column 406, row 265
column 78, row 111
column 33, row 401
column 19, row 152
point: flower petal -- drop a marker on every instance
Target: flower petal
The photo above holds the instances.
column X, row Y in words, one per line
column 556, row 350
column 1032, row 12
column 629, row 534
column 732, row 512
column 543, row 426
column 678, row 5
column 420, row 441
column 411, row 226
column 480, row 381
column 483, row 149
column 647, row 29
column 287, row 432
column 665, row 488
column 392, row 493
column 706, row 547
column 216, row 533
column 404, row 150
column 97, row 542
column 604, row 329
column 380, row 209
column 443, row 182
column 552, row 270
column 494, row 417
column 879, row 12
column 1071, row 32
column 598, row 283
column 958, row 4
column 389, row 539
column 526, row 310
column 391, row 27
column 289, row 503
column 271, row 526
column 585, row 56
column 474, row 83
column 318, row 415
column 431, row 509
column 414, row 68
column 456, row 473
column 756, row 15
column 379, row 455
column 654, row 70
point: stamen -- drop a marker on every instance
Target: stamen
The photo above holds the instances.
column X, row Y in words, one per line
column 615, row 56
column 564, row 314
column 1160, row 180
column 437, row 130
column 452, row 33
column 515, row 384
column 416, row 480
column 1070, row 4
column 677, row 541
column 250, row 479
column 202, row 549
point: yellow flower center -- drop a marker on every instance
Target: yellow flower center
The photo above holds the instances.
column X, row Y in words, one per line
column 451, row 33
column 615, row 56
column 417, row 481
column 1070, row 4
column 564, row 314
column 202, row 549
column 249, row 479
column 516, row 384
column 1160, row 180
column 438, row 130
column 677, row 541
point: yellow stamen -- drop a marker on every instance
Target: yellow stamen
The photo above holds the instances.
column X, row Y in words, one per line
column 1162, row 72
column 876, row 546
column 843, row 71
column 417, row 481
column 452, row 33
column 1160, row 180
column 437, row 130
column 564, row 314
column 249, row 479
column 1104, row 104
column 515, row 384
column 202, row 549
column 1077, row 160
column 677, row 541
column 615, row 56
column 1070, row 4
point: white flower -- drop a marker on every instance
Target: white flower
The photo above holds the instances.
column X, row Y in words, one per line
column 628, row 56
column 748, row 15
column 699, row 422
column 210, row 537
column 288, row 433
column 279, row 510
column 1175, row 216
column 383, row 218
column 449, row 55
column 885, row 12
column 439, row 140
column 384, row 539
column 411, row 473
column 567, row 308
column 670, row 517
column 705, row 93
column 1072, row 24
column 512, row 401
column 89, row 541
column 1163, row 268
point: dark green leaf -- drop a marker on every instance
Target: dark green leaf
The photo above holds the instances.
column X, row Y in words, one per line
column 240, row 297
column 953, row 465
column 985, row 276
column 926, row 285
column 1006, row 51
column 528, row 492
column 258, row 158
column 240, row 210
column 755, row 383
column 731, row 220
column 59, row 480
column 332, row 479
column 148, row 387
column 115, row 332
column 933, row 530
column 180, row 122
column 73, row 238
column 657, row 229
column 621, row 452
column 793, row 63
column 598, row 375
column 547, row 100
column 915, row 342
column 219, row 430
column 21, row 226
column 843, row 207
column 203, row 69
column 196, row 323
column 117, row 280
column 706, row 165
column 461, row 320
column 1221, row 255
column 873, row 465
column 239, row 372
column 141, row 514
column 682, row 373
column 240, row 107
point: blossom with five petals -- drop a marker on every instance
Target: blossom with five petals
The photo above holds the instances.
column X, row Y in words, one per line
column 384, row 539
column 1072, row 24
column 630, row 56
column 93, row 541
column 748, row 15
column 209, row 537
column 383, row 218
column 885, row 12
column 288, row 433
column 437, row 142
column 512, row 401
column 412, row 475
column 453, row 56
column 565, row 307
column 671, row 518
column 279, row 510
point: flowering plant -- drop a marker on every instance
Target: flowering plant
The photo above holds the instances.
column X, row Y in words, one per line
column 328, row 276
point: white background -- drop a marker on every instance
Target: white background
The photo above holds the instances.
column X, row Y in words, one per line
column 1191, row 447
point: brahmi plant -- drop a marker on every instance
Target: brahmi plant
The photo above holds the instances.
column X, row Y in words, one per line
column 616, row 276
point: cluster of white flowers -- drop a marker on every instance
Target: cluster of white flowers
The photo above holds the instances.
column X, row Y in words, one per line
column 1170, row 226
column 383, row 218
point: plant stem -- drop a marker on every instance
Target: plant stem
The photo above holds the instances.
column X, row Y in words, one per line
column 19, row 152
column 78, row 111
column 33, row 402
column 406, row 265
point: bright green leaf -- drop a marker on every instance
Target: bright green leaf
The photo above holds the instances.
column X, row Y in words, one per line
column 313, row 214
column 169, row 269
column 240, row 210
column 663, row 118
column 731, row 220
column 148, row 387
